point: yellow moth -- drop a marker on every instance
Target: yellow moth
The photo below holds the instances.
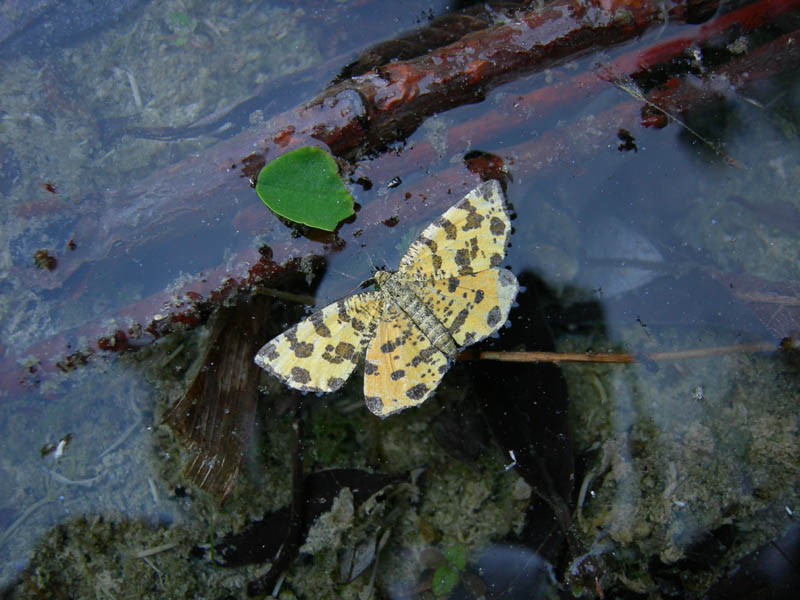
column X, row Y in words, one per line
column 448, row 292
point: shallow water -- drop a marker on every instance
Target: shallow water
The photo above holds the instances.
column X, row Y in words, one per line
column 677, row 245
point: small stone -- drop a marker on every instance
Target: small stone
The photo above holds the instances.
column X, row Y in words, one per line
column 521, row 490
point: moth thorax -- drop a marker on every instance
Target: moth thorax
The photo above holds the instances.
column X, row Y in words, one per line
column 381, row 276
column 401, row 295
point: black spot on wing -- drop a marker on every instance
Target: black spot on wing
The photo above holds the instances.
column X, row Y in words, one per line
column 433, row 246
column 269, row 352
column 450, row 231
column 345, row 350
column 342, row 352
column 300, row 375
column 473, row 220
column 341, row 308
column 423, row 356
column 320, row 328
column 398, row 374
column 496, row 226
column 493, row 318
column 473, row 247
column 300, row 349
column 461, row 257
column 417, row 392
column 370, row 368
column 459, row 321
column 303, row 349
column 334, row 383
column 374, row 404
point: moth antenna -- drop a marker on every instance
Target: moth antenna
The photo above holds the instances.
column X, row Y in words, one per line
column 343, row 274
column 360, row 286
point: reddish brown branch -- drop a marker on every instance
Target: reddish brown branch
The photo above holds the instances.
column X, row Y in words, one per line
column 541, row 102
column 386, row 105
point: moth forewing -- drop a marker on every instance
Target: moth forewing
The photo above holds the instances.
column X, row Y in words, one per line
column 319, row 353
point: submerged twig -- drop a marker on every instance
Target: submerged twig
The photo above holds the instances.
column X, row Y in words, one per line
column 630, row 88
column 89, row 482
column 155, row 550
column 618, row 357
column 137, row 97
column 281, row 295
column 121, row 439
column 25, row 514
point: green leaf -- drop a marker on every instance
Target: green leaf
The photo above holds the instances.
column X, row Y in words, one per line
column 304, row 186
column 457, row 556
column 445, row 579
